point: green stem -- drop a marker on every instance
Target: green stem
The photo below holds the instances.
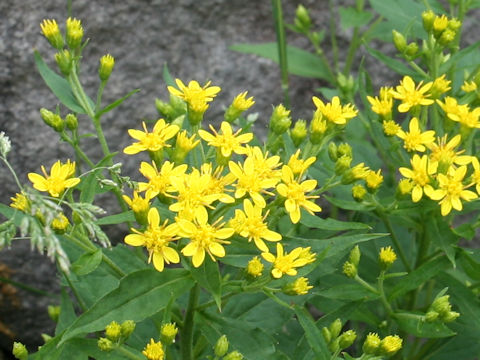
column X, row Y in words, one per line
column 186, row 343
column 275, row 298
column 383, row 298
column 81, row 303
column 27, row 287
column 126, row 352
column 366, row 285
column 282, row 48
column 333, row 38
column 99, row 95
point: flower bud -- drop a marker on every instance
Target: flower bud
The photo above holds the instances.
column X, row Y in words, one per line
column 302, row 21
column 164, row 108
column 239, row 105
column 411, row 50
column 428, row 17
column 454, row 24
column 447, row 37
column 441, row 305
column 334, row 346
column 390, row 345
column 326, row 335
column 127, row 327
column 20, row 351
column 51, row 31
column 358, row 192
column 5, row 144
column 221, row 347
column 53, row 312
column 107, row 62
column 431, row 316
column 346, row 339
column 74, row 33
column 52, row 120
column 404, row 187
column 386, row 257
column 113, row 331
column 168, row 332
column 440, row 23
column 335, row 328
column 298, row 287
column 60, row 224
column 355, row 255
column 450, row 316
column 332, row 151
column 299, row 132
column 234, row 355
column 254, row 267
column 64, row 61
column 344, row 150
column 399, row 41
column 71, row 121
column 342, row 164
column 318, row 127
column 374, row 180
column 349, row 269
column 371, row 344
column 105, row 344
column 280, row 120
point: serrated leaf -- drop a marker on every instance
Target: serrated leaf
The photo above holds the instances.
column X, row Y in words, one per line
column 350, row 17
column 59, row 86
column 115, row 103
column 312, row 333
column 139, row 295
column 300, row 62
column 330, row 224
column 87, row 263
column 414, row 324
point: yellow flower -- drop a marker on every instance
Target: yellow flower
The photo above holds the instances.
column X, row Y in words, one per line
column 405, row 186
column 113, row 331
column 300, row 166
column 195, row 194
column 285, row 263
column 154, row 351
column 451, row 107
column 51, row 31
column 383, row 104
column 318, row 127
column 414, row 139
column 168, row 332
column 184, row 145
column 440, row 23
column 410, row 95
column 298, row 287
column 156, row 238
column 387, row 257
column 151, row 141
column 466, row 117
column 217, row 182
column 390, row 345
column 334, row 111
column 452, row 190
column 107, row 62
column 204, row 237
column 374, row 179
column 139, row 205
column 360, row 171
column 241, row 103
column 196, row 96
column 391, row 128
column 469, row 86
column 440, row 86
column 74, row 32
column 420, row 174
column 60, row 178
column 21, row 202
column 227, row 141
column 265, row 165
column 295, row 194
column 444, row 152
column 60, row 223
column 254, row 267
column 371, row 344
column 160, row 182
column 250, row 224
column 475, row 175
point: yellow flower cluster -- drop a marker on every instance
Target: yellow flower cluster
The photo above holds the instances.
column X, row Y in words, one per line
column 231, row 194
column 438, row 168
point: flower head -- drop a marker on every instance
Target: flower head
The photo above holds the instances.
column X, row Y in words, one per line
column 295, row 194
column 254, row 267
column 387, row 257
column 469, row 86
column 60, row 178
column 154, row 350
column 440, row 86
column 241, row 102
column 204, row 237
column 107, row 62
column 51, row 31
column 390, row 127
column 151, row 141
column 444, row 152
column 21, row 202
column 415, row 139
column 383, row 104
column 74, row 32
column 139, row 205
column 334, row 112
column 285, row 263
column 374, row 179
column 412, row 95
column 156, row 238
column 227, row 141
column 197, row 97
column 300, row 166
column 298, row 287
column 183, row 146
column 390, row 345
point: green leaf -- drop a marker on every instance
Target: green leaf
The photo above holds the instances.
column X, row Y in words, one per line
column 401, row 14
column 208, row 276
column 419, row 276
column 88, row 187
column 348, row 205
column 312, row 333
column 59, row 86
column 139, row 295
column 443, row 237
column 167, row 77
column 67, row 313
column 392, row 63
column 116, row 103
column 330, row 224
column 87, row 263
column 300, row 62
column 465, row 231
column 117, row 218
column 352, row 292
column 415, row 325
column 350, row 17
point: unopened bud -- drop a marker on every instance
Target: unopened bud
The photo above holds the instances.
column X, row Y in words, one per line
column 71, row 121
column 53, row 312
column 450, row 316
column 428, row 17
column 447, row 37
column 355, row 255
column 221, row 347
column 164, row 108
column 105, row 344
column 332, row 151
column 431, row 316
column 454, row 24
column 335, row 328
column 107, row 62
column 342, row 164
column 399, row 41
column 346, row 339
column 326, row 335
column 411, row 50
column 441, row 304
column 358, row 192
column 113, row 331
column 390, row 345
column 20, row 351
column 302, row 20
column 127, row 327
column 299, row 132
column 280, row 120
column 64, row 61
column 344, row 150
column 52, row 120
column 234, row 355
column 371, row 344
column 168, row 332
column 349, row 269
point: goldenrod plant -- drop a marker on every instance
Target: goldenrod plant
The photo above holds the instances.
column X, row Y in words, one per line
column 339, row 237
